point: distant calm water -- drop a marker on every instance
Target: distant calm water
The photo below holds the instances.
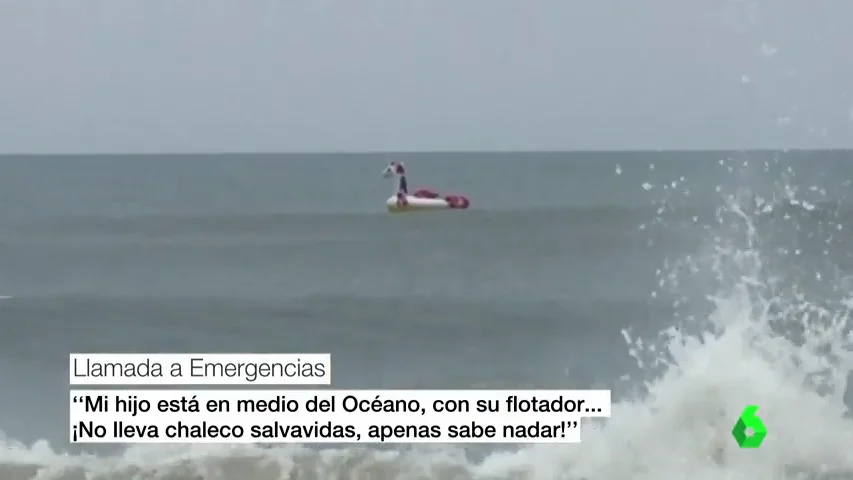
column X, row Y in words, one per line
column 531, row 287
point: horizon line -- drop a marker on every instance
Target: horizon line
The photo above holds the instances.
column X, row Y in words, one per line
column 421, row 152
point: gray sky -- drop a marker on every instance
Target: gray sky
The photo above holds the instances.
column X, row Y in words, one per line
column 368, row 75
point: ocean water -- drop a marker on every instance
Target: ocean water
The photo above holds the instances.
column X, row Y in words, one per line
column 690, row 283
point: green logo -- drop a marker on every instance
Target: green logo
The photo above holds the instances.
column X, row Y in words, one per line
column 749, row 421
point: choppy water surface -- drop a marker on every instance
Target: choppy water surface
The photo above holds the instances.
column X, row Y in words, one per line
column 689, row 283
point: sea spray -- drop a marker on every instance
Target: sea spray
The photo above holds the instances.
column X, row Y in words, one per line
column 768, row 340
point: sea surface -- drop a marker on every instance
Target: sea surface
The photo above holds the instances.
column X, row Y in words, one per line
column 689, row 283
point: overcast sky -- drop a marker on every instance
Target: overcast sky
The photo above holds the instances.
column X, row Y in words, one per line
column 368, row 75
